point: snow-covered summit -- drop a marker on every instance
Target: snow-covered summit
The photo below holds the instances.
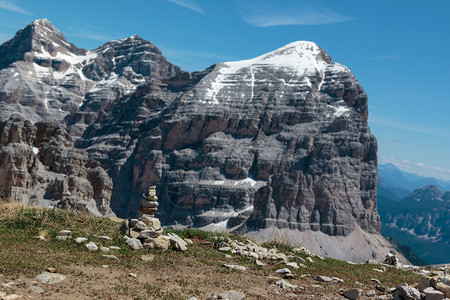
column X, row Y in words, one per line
column 300, row 55
column 294, row 64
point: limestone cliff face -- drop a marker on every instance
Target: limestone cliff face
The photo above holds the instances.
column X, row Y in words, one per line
column 279, row 140
column 39, row 165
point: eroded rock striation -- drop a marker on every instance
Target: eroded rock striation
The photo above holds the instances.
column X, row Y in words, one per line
column 39, row 165
column 280, row 140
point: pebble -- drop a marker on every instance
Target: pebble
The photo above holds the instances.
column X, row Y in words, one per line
column 132, row 275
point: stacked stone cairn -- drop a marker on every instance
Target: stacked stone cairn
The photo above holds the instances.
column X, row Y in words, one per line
column 146, row 231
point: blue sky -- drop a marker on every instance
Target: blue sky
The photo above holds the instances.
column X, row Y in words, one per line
column 399, row 50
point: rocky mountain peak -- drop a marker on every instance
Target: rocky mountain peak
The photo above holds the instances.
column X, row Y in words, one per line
column 46, row 38
column 426, row 193
column 39, row 38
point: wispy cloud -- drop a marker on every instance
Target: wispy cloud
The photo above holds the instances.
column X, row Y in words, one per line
column 386, row 57
column 87, row 31
column 11, row 6
column 189, row 4
column 409, row 126
column 90, row 35
column 265, row 13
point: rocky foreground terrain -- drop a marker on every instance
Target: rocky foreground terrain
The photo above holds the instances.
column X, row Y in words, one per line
column 60, row 254
column 277, row 141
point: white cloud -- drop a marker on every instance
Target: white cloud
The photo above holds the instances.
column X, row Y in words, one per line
column 11, row 6
column 422, row 165
column 189, row 4
column 418, row 168
column 265, row 13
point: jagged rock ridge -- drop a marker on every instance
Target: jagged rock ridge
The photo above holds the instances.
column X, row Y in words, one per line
column 279, row 140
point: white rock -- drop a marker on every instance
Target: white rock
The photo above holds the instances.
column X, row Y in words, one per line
column 114, row 248
column 134, row 243
column 231, row 295
column 323, row 278
column 371, row 293
column 50, row 278
column 80, row 240
column 177, row 242
column 65, row 233
column 92, row 246
column 104, row 249
column 110, row 256
column 292, row 265
column 432, row 294
column 35, row 289
column 12, row 297
column 283, row 284
column 223, row 249
column 235, row 267
column 63, row 237
column 283, row 271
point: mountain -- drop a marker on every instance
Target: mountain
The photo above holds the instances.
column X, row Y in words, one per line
column 394, row 178
column 420, row 221
column 279, row 141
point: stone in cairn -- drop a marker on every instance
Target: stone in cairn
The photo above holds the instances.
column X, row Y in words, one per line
column 149, row 204
column 147, row 228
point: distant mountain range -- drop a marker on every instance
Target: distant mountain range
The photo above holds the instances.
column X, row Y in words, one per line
column 402, row 183
column 420, row 218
